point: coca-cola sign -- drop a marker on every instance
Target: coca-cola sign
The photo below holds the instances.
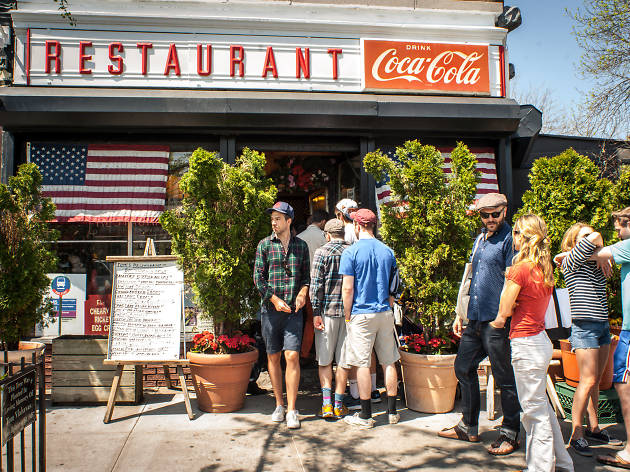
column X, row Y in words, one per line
column 438, row 67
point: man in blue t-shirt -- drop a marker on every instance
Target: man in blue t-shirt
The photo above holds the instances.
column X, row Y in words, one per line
column 620, row 254
column 370, row 282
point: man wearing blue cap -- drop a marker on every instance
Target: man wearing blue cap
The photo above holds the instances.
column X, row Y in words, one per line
column 281, row 275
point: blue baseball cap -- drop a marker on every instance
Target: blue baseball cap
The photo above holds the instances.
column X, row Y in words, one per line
column 282, row 207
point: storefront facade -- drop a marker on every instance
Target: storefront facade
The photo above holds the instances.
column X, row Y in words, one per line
column 315, row 85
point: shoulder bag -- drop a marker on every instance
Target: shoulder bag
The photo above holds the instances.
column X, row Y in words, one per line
column 558, row 315
column 463, row 295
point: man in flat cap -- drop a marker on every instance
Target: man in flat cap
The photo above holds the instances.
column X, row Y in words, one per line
column 281, row 275
column 328, row 320
column 492, row 254
column 370, row 283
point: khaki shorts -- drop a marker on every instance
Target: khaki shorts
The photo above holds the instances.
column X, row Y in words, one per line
column 366, row 332
column 329, row 342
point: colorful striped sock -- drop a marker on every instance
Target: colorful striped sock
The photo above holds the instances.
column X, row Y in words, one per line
column 338, row 400
column 326, row 393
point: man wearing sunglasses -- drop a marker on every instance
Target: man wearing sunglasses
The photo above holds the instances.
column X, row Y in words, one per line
column 281, row 275
column 492, row 253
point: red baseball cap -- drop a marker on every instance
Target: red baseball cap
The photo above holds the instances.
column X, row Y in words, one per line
column 364, row 216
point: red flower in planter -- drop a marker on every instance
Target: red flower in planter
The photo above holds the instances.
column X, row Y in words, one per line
column 206, row 343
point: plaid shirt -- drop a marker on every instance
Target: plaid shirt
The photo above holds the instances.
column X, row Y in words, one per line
column 325, row 289
column 271, row 278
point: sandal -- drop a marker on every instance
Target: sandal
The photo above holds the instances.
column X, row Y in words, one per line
column 614, row 461
column 497, row 448
column 457, row 433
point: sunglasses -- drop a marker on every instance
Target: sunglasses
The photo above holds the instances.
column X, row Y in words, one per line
column 494, row 214
column 285, row 266
column 516, row 232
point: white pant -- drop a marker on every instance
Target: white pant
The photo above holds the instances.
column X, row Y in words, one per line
column 530, row 359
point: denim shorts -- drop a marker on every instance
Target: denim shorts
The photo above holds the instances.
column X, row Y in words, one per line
column 281, row 331
column 586, row 334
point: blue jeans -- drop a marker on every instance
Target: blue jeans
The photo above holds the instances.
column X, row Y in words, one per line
column 479, row 340
column 587, row 334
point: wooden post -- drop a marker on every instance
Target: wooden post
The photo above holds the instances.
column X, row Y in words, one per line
column 112, row 394
column 182, row 383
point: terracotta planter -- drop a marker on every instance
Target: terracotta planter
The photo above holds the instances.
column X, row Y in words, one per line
column 570, row 367
column 430, row 381
column 221, row 380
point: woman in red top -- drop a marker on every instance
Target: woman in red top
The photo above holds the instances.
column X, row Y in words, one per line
column 525, row 297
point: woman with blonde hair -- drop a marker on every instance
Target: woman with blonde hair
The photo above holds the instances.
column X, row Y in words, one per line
column 525, row 298
column 590, row 331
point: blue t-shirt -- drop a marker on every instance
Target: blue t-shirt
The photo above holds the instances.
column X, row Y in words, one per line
column 373, row 265
column 621, row 254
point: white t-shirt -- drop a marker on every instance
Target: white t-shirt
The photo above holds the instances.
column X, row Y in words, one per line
column 350, row 237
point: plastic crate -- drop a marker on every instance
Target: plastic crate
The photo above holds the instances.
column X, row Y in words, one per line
column 608, row 409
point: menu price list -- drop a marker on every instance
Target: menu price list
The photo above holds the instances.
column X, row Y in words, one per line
column 146, row 319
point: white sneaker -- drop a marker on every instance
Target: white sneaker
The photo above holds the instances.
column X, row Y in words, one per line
column 355, row 420
column 394, row 418
column 292, row 419
column 278, row 414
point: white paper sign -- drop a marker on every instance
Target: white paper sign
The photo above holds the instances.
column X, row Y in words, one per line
column 146, row 314
column 72, row 305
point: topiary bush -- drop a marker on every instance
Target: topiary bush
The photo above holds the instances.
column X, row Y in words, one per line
column 215, row 231
column 25, row 254
column 566, row 189
column 429, row 226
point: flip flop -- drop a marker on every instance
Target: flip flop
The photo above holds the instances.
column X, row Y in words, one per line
column 614, row 461
column 456, row 433
column 514, row 446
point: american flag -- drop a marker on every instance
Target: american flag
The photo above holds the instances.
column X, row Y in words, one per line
column 103, row 182
column 486, row 165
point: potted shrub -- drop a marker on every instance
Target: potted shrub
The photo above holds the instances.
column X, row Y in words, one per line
column 566, row 189
column 429, row 226
column 25, row 258
column 214, row 232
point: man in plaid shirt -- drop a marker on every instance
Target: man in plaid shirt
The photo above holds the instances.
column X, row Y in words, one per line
column 281, row 275
column 328, row 320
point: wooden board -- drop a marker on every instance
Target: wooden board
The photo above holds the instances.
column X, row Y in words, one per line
column 79, row 375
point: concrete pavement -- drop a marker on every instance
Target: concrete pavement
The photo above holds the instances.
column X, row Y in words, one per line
column 158, row 435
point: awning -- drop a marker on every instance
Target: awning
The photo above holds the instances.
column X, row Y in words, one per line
column 48, row 109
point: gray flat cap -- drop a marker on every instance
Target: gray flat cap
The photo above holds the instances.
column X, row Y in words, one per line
column 491, row 200
column 334, row 226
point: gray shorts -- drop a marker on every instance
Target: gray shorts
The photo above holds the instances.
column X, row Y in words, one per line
column 366, row 332
column 329, row 342
column 281, row 331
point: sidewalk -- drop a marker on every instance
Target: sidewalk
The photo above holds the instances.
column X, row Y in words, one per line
column 158, row 435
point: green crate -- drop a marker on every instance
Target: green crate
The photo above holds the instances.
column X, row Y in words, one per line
column 608, row 409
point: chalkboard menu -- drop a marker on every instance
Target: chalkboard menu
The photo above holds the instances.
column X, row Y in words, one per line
column 146, row 311
column 18, row 403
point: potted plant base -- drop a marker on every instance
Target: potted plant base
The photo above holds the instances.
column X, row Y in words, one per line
column 430, row 381
column 221, row 380
column 570, row 367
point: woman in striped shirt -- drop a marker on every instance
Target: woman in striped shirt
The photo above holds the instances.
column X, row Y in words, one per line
column 590, row 331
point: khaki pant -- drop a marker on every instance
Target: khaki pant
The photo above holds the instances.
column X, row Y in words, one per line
column 369, row 331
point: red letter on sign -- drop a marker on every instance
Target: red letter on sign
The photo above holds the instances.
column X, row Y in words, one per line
column 115, row 59
column 302, row 64
column 234, row 59
column 144, row 47
column 200, row 69
column 84, row 57
column 172, row 62
column 334, row 53
column 56, row 56
column 270, row 64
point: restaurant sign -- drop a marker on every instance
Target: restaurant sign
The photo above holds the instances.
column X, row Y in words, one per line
column 60, row 57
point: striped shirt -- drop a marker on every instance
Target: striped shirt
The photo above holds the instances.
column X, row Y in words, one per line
column 326, row 281
column 586, row 284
